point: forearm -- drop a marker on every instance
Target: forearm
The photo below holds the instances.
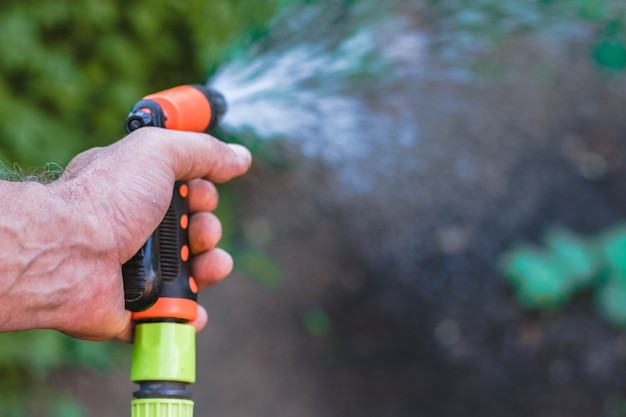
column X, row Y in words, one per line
column 43, row 246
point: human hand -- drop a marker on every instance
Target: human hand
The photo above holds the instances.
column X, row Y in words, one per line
column 98, row 215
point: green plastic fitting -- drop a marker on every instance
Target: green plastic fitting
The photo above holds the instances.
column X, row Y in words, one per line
column 164, row 352
column 161, row 407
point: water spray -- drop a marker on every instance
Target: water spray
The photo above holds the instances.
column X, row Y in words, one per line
column 158, row 286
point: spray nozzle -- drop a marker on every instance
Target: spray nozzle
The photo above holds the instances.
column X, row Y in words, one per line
column 195, row 108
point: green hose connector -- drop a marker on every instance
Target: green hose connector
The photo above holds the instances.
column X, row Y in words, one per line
column 164, row 352
column 161, row 407
column 164, row 362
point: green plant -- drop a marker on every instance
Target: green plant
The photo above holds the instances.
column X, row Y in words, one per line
column 547, row 277
column 70, row 70
column 28, row 359
column 460, row 27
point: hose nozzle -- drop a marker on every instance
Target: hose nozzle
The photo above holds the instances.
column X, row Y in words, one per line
column 195, row 108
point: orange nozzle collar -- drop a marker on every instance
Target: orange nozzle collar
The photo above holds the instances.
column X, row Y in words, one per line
column 185, row 108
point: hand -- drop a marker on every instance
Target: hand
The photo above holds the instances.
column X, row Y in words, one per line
column 64, row 270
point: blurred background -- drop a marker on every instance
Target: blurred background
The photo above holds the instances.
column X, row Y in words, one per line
column 433, row 224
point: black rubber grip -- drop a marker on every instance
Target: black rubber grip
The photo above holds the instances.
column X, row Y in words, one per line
column 162, row 267
column 173, row 247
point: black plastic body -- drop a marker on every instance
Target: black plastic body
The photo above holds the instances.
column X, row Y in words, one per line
column 216, row 101
column 162, row 389
column 145, row 113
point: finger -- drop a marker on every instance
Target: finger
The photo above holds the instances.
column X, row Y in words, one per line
column 202, row 195
column 211, row 267
column 129, row 329
column 205, row 230
column 201, row 319
column 194, row 155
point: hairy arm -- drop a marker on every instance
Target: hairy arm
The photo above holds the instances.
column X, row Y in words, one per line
column 46, row 251
column 62, row 244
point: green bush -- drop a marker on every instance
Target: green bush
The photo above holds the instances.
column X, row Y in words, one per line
column 470, row 28
column 71, row 70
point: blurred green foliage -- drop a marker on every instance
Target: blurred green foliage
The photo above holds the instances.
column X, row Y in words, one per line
column 260, row 267
column 29, row 359
column 316, row 322
column 478, row 25
column 71, row 70
column 545, row 278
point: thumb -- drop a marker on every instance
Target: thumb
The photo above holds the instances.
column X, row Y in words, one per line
column 195, row 155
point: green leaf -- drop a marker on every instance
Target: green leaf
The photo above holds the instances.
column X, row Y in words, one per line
column 316, row 322
column 260, row 267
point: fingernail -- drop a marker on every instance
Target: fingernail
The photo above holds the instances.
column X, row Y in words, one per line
column 241, row 151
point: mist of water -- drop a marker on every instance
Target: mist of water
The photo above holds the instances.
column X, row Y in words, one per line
column 352, row 85
column 323, row 95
